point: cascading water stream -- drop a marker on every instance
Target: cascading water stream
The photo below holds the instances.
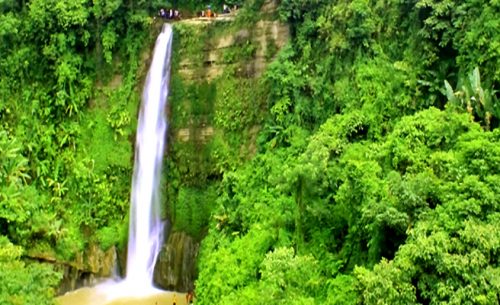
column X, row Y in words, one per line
column 145, row 230
column 146, row 227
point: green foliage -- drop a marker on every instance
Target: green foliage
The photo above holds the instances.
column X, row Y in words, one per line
column 118, row 117
column 350, row 161
column 238, row 105
column 241, row 259
column 479, row 102
column 341, row 290
column 468, row 27
column 289, row 279
column 24, row 283
column 351, row 198
column 65, row 135
column 213, row 120
column 191, row 210
column 348, row 174
column 458, row 241
column 243, row 51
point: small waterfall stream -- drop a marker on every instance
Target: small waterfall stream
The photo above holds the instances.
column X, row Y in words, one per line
column 145, row 229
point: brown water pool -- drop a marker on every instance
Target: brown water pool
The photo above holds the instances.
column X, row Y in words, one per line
column 92, row 296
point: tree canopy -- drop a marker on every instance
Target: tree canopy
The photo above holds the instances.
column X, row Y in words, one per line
column 376, row 176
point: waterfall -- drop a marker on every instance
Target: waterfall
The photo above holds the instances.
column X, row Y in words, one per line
column 145, row 229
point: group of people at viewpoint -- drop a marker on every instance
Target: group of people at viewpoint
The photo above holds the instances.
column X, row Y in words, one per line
column 209, row 12
column 189, row 298
column 174, row 14
column 169, row 14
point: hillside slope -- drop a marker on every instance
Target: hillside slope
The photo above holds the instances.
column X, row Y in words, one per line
column 376, row 174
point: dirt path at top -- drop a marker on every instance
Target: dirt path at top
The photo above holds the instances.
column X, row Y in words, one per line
column 203, row 20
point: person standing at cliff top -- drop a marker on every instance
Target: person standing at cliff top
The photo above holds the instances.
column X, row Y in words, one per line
column 189, row 297
column 209, row 11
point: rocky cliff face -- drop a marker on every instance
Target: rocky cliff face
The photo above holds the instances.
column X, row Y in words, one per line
column 265, row 37
column 218, row 72
column 86, row 269
column 176, row 265
column 247, row 49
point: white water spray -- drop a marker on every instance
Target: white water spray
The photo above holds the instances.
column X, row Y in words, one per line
column 145, row 230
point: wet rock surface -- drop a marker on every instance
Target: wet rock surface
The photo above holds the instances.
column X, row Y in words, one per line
column 176, row 265
column 86, row 269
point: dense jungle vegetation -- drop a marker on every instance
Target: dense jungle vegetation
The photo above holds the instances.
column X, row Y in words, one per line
column 66, row 156
column 375, row 177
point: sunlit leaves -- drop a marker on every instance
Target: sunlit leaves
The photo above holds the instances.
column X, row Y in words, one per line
column 8, row 25
column 24, row 283
column 109, row 38
column 64, row 14
column 457, row 240
column 14, row 164
column 105, row 8
column 286, row 276
column 384, row 285
column 240, row 260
